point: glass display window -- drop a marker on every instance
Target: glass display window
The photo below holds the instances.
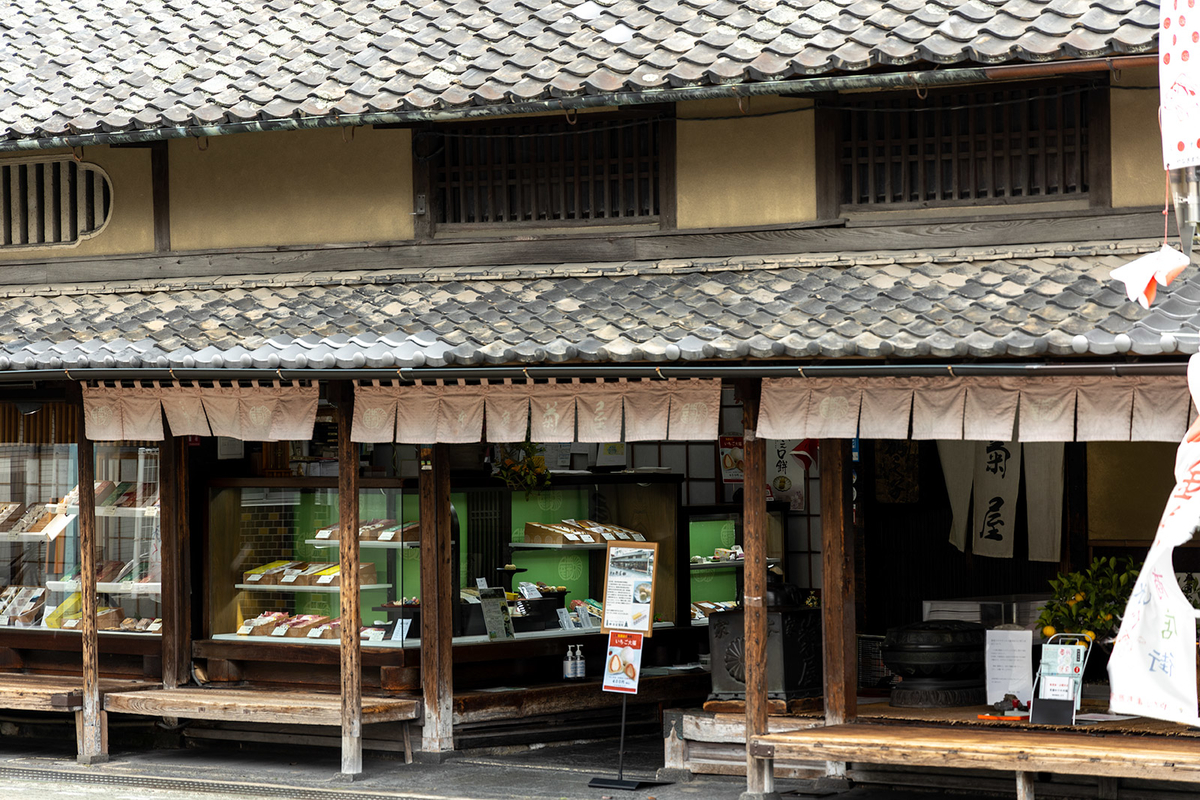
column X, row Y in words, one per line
column 716, row 562
column 273, row 564
column 39, row 534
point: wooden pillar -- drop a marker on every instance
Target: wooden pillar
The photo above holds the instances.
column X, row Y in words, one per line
column 759, row 771
column 437, row 604
column 1025, row 786
column 176, row 575
column 348, row 597
column 837, row 596
column 91, row 722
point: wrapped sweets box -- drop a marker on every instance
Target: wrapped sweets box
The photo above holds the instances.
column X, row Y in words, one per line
column 332, row 575
column 306, row 576
column 271, row 574
column 21, row 605
column 263, row 624
column 299, row 626
column 107, row 619
column 326, row 630
column 583, row 531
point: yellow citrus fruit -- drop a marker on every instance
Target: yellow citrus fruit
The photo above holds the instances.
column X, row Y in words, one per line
column 1079, row 596
column 1048, row 631
column 1072, row 603
column 1089, row 635
column 1107, row 617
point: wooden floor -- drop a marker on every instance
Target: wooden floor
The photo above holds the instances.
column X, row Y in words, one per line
column 38, row 692
column 1115, row 755
column 254, row 705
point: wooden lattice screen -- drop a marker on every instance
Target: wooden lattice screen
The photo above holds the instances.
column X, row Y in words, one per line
column 965, row 145
column 51, row 202
column 53, row 423
column 545, row 171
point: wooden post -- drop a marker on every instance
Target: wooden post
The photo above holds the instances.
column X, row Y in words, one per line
column 760, row 777
column 437, row 604
column 348, row 597
column 837, row 597
column 91, row 723
column 176, row 578
column 1025, row 786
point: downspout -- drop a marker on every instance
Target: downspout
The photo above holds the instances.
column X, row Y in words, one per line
column 834, row 83
column 611, row 372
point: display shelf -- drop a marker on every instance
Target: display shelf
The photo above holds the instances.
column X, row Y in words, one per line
column 739, row 564
column 113, row 511
column 276, row 587
column 366, row 544
column 108, row 587
column 532, row 546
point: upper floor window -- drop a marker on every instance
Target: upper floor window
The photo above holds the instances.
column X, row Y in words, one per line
column 975, row 145
column 53, row 201
column 541, row 172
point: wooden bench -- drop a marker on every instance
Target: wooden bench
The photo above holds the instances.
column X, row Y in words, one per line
column 1022, row 751
column 259, row 706
column 58, row 693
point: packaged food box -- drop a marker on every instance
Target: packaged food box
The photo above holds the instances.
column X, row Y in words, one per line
column 331, row 576
column 408, row 532
column 327, row 630
column 328, row 532
column 370, row 531
column 263, row 624
column 305, row 576
column 9, row 514
column 556, row 533
column 271, row 574
column 107, row 619
column 299, row 626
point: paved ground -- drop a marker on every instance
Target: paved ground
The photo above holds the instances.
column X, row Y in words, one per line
column 229, row 773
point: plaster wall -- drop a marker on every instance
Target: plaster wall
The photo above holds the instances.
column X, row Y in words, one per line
column 294, row 187
column 130, row 226
column 744, row 171
column 1137, row 166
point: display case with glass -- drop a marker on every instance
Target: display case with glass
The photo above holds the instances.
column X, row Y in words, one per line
column 39, row 534
column 273, row 555
column 716, row 562
column 273, row 564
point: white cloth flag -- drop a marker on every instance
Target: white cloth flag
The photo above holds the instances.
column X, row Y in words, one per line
column 1152, row 669
column 997, row 482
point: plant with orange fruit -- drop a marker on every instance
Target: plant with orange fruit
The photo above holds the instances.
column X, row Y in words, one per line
column 1090, row 603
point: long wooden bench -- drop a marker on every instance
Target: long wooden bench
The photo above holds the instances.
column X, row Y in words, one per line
column 1021, row 751
column 259, row 706
column 58, row 693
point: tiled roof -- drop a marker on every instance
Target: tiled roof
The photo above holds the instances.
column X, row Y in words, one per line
column 76, row 66
column 1051, row 300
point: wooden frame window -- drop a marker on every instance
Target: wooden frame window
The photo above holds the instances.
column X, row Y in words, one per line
column 546, row 172
column 46, row 202
column 976, row 145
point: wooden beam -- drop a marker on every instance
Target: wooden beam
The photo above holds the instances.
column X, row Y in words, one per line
column 437, row 603
column 176, row 577
column 160, row 187
column 820, row 236
column 759, row 771
column 348, row 559
column 90, row 728
column 837, row 596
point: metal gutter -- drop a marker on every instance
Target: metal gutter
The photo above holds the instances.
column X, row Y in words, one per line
column 833, row 83
column 607, row 372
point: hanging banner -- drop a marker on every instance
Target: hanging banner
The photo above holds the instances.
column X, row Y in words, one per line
column 997, row 482
column 732, row 458
column 1152, row 669
column 1179, row 86
column 785, row 470
column 623, row 663
column 629, row 587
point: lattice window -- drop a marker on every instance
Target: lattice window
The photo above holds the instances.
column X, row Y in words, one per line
column 51, row 202
column 539, row 171
column 971, row 145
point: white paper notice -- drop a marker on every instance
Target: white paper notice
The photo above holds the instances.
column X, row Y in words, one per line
column 1009, row 665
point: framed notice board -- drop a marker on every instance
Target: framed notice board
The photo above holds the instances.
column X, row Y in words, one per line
column 629, row 571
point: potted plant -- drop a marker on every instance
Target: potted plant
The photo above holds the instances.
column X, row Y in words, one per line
column 1090, row 603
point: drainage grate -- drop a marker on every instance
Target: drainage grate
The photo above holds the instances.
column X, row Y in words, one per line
column 248, row 789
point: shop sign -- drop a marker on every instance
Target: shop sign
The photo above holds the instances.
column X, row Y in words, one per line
column 732, row 458
column 623, row 662
column 496, row 617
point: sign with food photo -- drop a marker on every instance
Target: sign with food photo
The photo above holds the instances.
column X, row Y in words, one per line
column 629, row 587
column 623, row 662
